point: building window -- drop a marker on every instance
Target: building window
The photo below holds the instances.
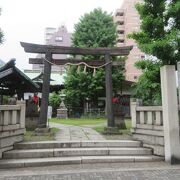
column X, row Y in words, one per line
column 135, row 77
column 49, row 33
column 120, row 32
column 142, row 56
column 120, row 40
column 119, row 14
column 120, row 22
column 48, row 38
column 59, row 39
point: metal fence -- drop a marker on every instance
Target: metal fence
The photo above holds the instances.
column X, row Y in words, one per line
column 78, row 112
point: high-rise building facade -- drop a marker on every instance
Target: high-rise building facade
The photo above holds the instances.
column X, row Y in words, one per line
column 128, row 20
column 57, row 37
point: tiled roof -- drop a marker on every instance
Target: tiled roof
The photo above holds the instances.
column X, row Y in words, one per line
column 56, row 77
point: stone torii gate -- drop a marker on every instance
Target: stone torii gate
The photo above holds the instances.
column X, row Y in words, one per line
column 49, row 50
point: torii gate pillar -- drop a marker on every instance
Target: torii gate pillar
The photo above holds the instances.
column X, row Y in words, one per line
column 109, row 91
column 45, row 91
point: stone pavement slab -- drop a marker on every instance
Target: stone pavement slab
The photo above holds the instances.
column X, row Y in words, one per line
column 75, row 133
column 107, row 171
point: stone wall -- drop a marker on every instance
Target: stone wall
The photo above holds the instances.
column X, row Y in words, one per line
column 159, row 127
column 12, row 125
column 148, row 126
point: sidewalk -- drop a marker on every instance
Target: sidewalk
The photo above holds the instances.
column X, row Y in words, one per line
column 107, row 171
column 75, row 133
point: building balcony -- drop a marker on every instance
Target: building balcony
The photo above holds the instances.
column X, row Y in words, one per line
column 120, row 42
column 119, row 19
column 120, row 27
column 121, row 36
column 119, row 12
column 120, row 31
column 120, row 23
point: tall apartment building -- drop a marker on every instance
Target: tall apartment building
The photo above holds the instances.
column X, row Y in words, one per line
column 128, row 20
column 1, row 62
column 57, row 37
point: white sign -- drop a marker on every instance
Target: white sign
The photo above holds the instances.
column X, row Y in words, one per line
column 49, row 114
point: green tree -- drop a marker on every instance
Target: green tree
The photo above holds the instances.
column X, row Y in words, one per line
column 82, row 85
column 148, row 86
column 1, row 33
column 160, row 30
column 159, row 37
column 95, row 29
column 54, row 101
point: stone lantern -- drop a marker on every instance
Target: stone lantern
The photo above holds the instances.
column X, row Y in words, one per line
column 62, row 111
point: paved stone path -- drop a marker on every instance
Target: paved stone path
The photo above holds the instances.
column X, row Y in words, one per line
column 75, row 133
column 115, row 171
column 103, row 171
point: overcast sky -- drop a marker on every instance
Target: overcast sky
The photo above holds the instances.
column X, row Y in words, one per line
column 25, row 20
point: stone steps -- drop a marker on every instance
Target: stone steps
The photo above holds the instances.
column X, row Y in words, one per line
column 28, row 154
column 34, row 162
column 76, row 144
column 65, row 152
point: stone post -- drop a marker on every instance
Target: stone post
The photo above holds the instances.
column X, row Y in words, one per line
column 22, row 104
column 178, row 68
column 170, row 114
column 133, row 114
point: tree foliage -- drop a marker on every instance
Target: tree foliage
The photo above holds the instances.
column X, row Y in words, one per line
column 160, row 30
column 148, row 86
column 80, row 86
column 159, row 37
column 54, row 101
column 95, row 29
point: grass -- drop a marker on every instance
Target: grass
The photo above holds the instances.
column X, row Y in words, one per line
column 123, row 134
column 128, row 126
column 79, row 122
column 30, row 136
column 100, row 129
